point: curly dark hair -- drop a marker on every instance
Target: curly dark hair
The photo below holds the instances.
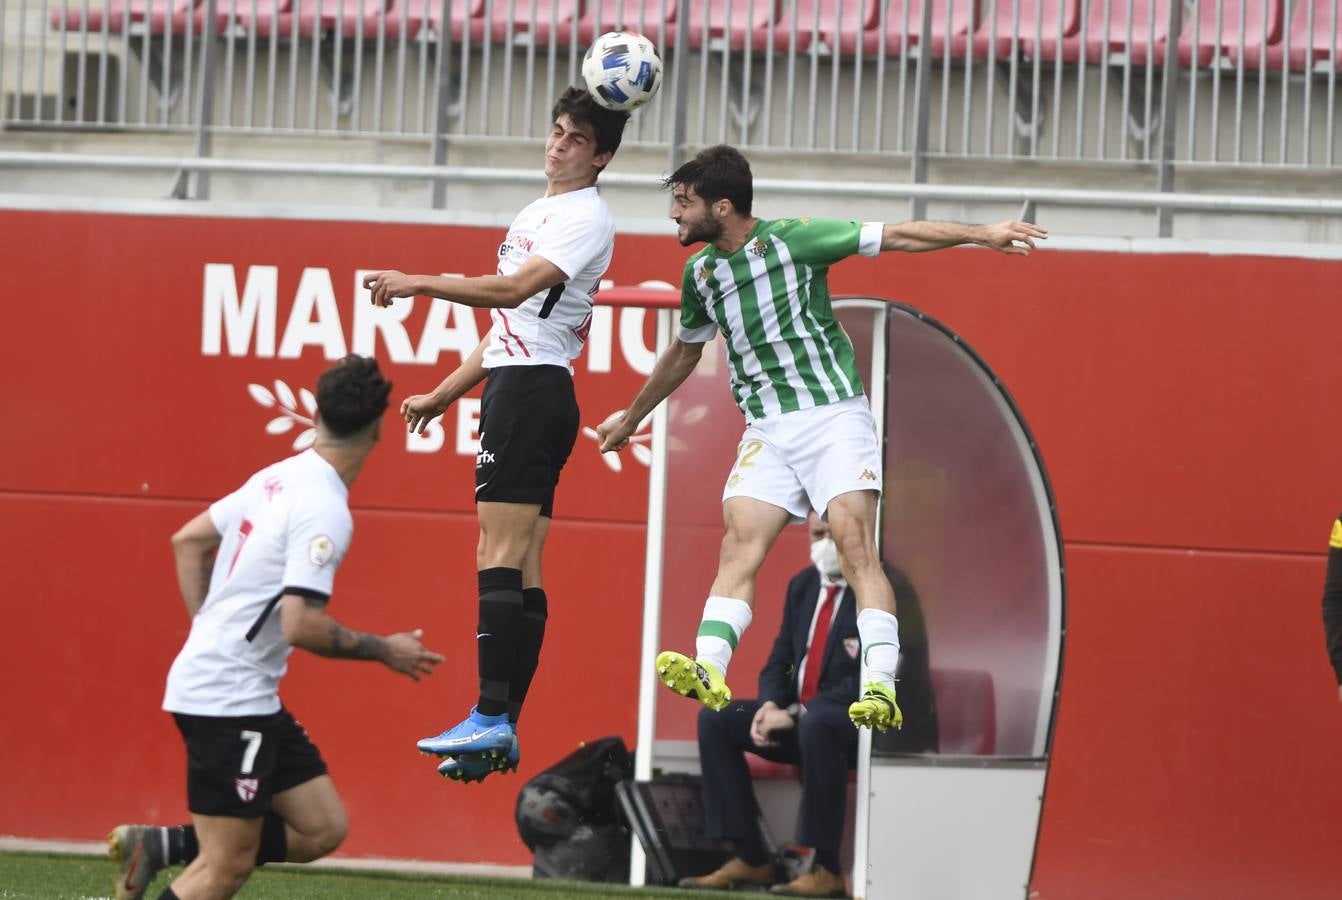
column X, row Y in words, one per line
column 582, row 109
column 351, row 395
column 717, row 173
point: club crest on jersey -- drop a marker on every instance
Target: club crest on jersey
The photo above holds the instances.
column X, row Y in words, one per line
column 759, row 248
column 320, row 550
column 853, row 646
column 246, row 788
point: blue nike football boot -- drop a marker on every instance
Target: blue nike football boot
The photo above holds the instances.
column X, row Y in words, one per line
column 470, row 767
column 491, row 735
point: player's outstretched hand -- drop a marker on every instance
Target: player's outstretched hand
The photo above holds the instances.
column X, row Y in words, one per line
column 421, row 409
column 614, row 433
column 405, row 654
column 1012, row 237
column 385, row 287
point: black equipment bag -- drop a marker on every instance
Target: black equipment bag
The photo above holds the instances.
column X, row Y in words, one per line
column 568, row 815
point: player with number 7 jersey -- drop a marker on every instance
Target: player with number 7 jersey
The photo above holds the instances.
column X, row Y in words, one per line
column 256, row 571
column 810, row 439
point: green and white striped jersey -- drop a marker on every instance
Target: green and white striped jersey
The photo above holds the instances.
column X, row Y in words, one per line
column 770, row 299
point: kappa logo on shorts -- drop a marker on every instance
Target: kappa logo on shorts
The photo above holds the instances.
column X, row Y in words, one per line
column 733, row 481
column 867, row 475
column 246, row 788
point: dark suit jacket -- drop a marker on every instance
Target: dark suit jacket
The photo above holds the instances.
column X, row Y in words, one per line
column 841, row 669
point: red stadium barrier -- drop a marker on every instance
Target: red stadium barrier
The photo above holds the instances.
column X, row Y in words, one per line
column 1183, row 404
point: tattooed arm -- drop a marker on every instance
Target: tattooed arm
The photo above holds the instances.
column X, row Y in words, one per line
column 306, row 624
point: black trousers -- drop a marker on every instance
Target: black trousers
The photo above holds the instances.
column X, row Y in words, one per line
column 824, row 743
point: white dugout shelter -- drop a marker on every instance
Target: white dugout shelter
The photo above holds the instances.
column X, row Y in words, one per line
column 968, row 515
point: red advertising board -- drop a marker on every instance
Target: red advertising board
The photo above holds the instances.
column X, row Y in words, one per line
column 1181, row 403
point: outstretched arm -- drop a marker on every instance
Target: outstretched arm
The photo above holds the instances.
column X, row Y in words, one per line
column 674, row 366
column 918, row 237
column 1332, row 603
column 306, row 624
column 193, row 548
column 420, row 409
column 484, row 291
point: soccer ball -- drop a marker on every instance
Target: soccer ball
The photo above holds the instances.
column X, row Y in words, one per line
column 622, row 70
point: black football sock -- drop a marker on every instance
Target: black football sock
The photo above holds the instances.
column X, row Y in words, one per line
column 535, row 610
column 497, row 636
column 168, row 894
column 182, row 844
column 274, row 842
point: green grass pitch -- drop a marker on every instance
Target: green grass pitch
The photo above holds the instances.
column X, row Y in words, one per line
column 67, row 877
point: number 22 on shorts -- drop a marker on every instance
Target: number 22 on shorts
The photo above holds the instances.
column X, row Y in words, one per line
column 746, row 453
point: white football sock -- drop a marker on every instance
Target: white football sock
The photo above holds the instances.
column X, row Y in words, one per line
column 724, row 621
column 879, row 631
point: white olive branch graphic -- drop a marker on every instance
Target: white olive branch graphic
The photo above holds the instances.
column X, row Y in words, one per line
column 283, row 399
column 636, row 442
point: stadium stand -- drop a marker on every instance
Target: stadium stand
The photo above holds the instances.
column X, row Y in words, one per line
column 1135, row 30
column 1310, row 44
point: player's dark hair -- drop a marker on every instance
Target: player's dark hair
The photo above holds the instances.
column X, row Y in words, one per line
column 717, row 173
column 582, row 109
column 351, row 395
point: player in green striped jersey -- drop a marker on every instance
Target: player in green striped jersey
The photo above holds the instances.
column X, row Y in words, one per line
column 810, row 440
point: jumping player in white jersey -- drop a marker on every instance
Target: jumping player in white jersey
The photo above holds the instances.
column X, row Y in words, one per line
column 256, row 571
column 540, row 301
column 764, row 285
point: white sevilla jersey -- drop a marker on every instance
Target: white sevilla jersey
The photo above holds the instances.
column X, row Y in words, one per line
column 285, row 530
column 576, row 232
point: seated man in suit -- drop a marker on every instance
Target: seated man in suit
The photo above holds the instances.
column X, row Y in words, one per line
column 801, row 717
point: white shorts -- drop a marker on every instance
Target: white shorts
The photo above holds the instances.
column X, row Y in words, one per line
column 802, row 460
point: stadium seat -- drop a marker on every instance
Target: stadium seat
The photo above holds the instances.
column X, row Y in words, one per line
column 951, row 24
column 137, row 16
column 539, row 21
column 1136, row 29
column 966, row 711
column 647, row 17
column 414, row 16
column 1313, row 42
column 1262, row 27
column 838, row 25
column 1028, row 28
column 735, row 21
column 766, row 769
column 236, row 15
column 308, row 17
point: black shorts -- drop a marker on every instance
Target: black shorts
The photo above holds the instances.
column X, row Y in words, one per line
column 236, row 764
column 528, row 423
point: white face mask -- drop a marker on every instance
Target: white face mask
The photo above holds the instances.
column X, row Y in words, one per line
column 825, row 556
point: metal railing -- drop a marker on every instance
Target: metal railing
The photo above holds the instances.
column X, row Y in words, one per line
column 1242, row 82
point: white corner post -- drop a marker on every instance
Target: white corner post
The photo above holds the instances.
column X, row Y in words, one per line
column 652, row 601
